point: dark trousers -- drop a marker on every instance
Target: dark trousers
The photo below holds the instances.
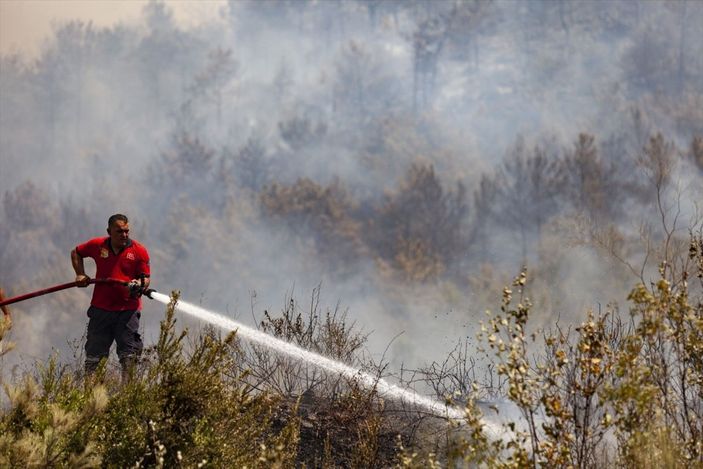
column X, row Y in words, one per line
column 104, row 327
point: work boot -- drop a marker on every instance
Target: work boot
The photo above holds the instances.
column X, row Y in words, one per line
column 91, row 365
column 94, row 369
column 129, row 366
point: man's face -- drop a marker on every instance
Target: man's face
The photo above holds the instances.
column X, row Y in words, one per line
column 119, row 233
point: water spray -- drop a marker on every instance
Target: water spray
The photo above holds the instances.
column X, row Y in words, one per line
column 385, row 389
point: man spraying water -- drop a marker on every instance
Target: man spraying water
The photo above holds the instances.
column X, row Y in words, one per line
column 122, row 277
column 115, row 308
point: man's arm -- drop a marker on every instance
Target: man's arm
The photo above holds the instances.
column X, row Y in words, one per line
column 144, row 269
column 79, row 268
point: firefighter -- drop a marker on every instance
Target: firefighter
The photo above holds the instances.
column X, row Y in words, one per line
column 115, row 309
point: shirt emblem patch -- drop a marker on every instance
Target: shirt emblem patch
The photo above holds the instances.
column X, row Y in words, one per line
column 130, row 256
column 104, row 253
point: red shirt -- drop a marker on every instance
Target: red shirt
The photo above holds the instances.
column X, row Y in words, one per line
column 131, row 262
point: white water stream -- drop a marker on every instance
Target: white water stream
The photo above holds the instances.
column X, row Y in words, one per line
column 384, row 389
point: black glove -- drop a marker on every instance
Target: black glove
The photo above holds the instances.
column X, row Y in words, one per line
column 135, row 288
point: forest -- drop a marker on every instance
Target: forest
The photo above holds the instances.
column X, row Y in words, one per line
column 496, row 203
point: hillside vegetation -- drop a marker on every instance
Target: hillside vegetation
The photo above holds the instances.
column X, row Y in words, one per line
column 618, row 390
column 419, row 162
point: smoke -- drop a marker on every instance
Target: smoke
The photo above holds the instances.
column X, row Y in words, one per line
column 182, row 128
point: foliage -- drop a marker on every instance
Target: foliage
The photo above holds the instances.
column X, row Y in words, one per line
column 213, row 82
column 180, row 410
column 416, row 229
column 325, row 213
column 189, row 159
column 300, row 131
column 630, row 393
column 328, row 334
column 363, row 86
column 49, row 422
column 5, row 326
column 592, row 186
column 696, row 153
column 420, row 225
column 249, row 167
column 342, row 423
column 388, row 86
column 610, row 391
column 528, row 183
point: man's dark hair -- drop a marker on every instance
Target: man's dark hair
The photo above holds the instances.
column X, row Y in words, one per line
column 116, row 217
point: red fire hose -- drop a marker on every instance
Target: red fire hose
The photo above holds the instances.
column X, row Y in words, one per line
column 55, row 288
column 4, row 302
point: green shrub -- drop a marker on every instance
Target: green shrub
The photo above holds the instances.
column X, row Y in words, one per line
column 179, row 410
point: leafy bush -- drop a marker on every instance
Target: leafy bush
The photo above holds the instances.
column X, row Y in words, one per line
column 179, row 410
column 343, row 424
column 629, row 393
column 614, row 391
column 324, row 213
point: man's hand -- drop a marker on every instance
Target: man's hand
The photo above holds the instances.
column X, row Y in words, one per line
column 82, row 280
column 135, row 287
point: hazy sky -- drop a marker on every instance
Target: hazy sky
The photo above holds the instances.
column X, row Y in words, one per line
column 25, row 24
